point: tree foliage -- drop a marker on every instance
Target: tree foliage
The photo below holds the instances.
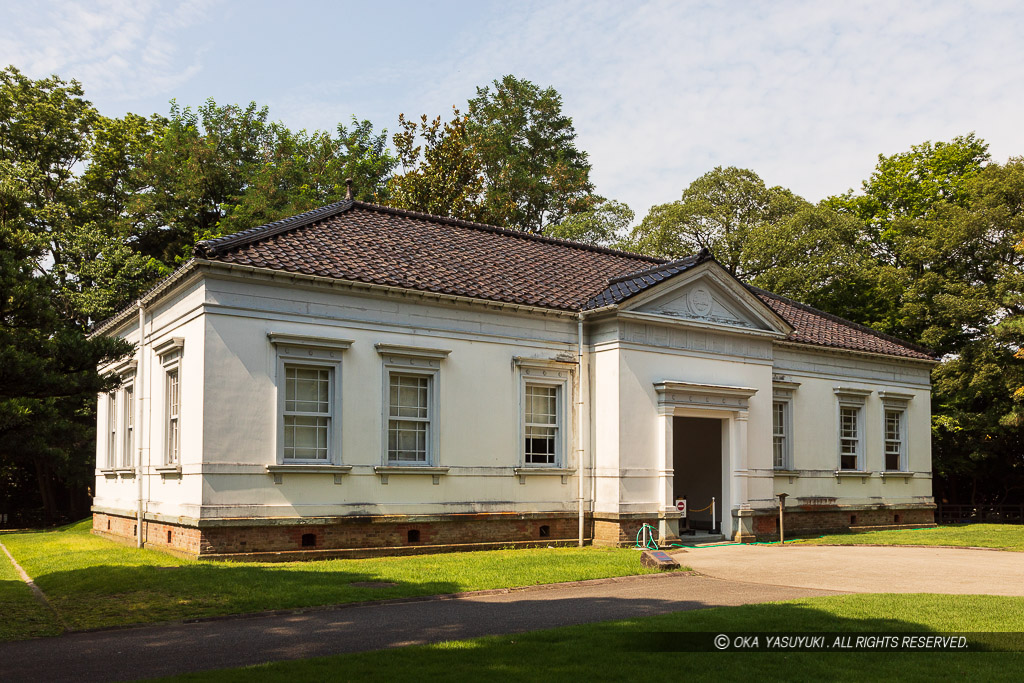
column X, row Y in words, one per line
column 717, row 211
column 604, row 225
column 220, row 169
column 48, row 366
column 534, row 175
column 511, row 161
column 441, row 176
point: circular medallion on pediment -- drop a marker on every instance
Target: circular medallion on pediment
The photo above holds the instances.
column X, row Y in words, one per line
column 700, row 302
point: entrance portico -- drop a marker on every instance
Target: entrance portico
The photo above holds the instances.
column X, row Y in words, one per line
column 730, row 404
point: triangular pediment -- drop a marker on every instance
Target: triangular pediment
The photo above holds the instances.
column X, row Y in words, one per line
column 708, row 295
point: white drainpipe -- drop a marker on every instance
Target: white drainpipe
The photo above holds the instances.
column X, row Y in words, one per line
column 138, row 419
column 579, row 421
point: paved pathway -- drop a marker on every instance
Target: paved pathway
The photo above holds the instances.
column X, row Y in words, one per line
column 163, row 650
column 864, row 569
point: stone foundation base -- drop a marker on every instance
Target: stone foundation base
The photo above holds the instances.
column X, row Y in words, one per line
column 620, row 531
column 289, row 539
column 293, row 539
column 763, row 525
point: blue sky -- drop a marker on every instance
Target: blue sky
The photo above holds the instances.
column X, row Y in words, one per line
column 805, row 93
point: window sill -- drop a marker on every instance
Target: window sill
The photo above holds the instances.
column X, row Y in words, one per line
column 338, row 471
column 523, row 472
column 108, row 473
column 168, row 470
column 126, row 472
column 898, row 474
column 386, row 470
column 863, row 474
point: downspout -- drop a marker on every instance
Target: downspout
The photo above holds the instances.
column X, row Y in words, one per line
column 138, row 419
column 580, row 469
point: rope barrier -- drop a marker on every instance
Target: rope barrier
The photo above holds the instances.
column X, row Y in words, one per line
column 701, row 509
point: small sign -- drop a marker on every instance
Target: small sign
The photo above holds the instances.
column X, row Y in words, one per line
column 681, row 506
column 658, row 559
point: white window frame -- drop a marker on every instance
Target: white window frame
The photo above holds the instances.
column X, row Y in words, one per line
column 170, row 352
column 896, row 402
column 111, row 431
column 128, row 422
column 321, row 353
column 783, row 388
column 412, row 361
column 850, row 399
column 547, row 373
column 172, row 415
column 786, row 435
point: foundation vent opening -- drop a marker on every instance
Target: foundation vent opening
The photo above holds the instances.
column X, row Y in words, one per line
column 308, row 540
column 413, row 536
column 545, row 531
column 895, row 519
column 853, row 520
column 168, row 536
column 108, row 525
column 135, row 530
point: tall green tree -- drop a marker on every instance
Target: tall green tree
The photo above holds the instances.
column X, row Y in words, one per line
column 534, row 175
column 223, row 168
column 604, row 225
column 442, row 175
column 943, row 222
column 718, row 212
column 48, row 366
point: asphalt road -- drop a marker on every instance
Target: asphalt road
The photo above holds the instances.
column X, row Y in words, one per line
column 168, row 649
column 865, row 569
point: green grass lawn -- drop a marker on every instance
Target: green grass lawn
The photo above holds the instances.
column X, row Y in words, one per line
column 1003, row 536
column 624, row 650
column 22, row 615
column 93, row 582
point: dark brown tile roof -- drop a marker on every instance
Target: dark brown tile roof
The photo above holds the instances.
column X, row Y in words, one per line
column 373, row 244
column 812, row 326
column 368, row 243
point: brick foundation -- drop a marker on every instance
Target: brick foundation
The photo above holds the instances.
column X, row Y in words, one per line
column 619, row 532
column 806, row 520
column 346, row 537
column 401, row 535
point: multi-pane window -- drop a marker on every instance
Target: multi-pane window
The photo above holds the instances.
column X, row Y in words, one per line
column 849, row 438
column 173, row 404
column 128, row 412
column 307, row 413
column 893, row 440
column 111, row 430
column 779, row 435
column 408, row 417
column 541, row 424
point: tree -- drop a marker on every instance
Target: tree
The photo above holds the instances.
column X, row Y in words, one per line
column 443, row 176
column 220, row 169
column 943, row 225
column 816, row 256
column 48, row 380
column 48, row 366
column 534, row 175
column 717, row 212
column 605, row 225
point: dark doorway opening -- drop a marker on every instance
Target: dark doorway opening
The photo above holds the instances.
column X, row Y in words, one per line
column 697, row 461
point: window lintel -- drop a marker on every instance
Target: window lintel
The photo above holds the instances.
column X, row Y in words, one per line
column 285, row 339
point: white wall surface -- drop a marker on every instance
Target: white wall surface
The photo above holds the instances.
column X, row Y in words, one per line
column 230, row 413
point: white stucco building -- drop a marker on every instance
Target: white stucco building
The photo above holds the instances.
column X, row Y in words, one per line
column 360, row 379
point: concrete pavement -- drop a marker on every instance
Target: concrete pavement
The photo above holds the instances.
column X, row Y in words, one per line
column 168, row 649
column 864, row 569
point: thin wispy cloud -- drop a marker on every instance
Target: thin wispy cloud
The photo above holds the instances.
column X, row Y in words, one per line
column 119, row 50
